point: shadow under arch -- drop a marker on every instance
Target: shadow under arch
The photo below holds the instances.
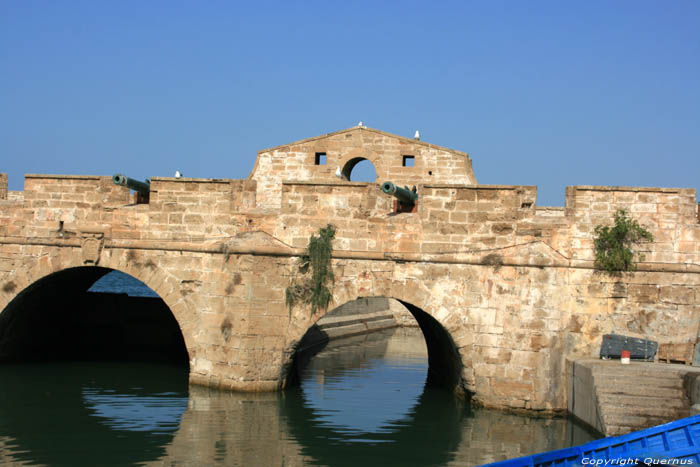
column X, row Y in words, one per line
column 75, row 408
column 444, row 360
column 56, row 318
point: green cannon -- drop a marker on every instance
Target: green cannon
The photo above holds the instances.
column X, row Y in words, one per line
column 143, row 188
column 405, row 196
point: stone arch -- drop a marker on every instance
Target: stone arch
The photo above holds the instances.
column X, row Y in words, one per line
column 349, row 160
column 165, row 285
column 350, row 165
column 445, row 360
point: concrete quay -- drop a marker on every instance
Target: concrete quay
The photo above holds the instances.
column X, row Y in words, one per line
column 615, row 399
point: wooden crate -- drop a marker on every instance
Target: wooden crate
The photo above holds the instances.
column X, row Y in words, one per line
column 673, row 352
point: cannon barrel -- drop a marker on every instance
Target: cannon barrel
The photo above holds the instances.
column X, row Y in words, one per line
column 143, row 188
column 404, row 195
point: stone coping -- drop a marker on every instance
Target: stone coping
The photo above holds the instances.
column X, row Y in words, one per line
column 629, row 188
column 364, row 128
column 333, row 183
column 480, row 187
column 195, row 180
column 423, row 185
column 67, row 177
column 158, row 179
column 207, row 245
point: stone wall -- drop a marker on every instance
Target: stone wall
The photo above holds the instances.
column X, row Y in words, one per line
column 3, row 186
column 198, row 208
column 669, row 213
column 510, row 285
column 342, row 150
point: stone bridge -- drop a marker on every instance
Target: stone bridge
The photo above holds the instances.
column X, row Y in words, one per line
column 503, row 290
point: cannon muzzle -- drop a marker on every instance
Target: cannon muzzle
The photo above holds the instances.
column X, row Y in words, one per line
column 143, row 188
column 404, row 195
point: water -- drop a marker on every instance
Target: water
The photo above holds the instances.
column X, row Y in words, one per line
column 118, row 282
column 359, row 402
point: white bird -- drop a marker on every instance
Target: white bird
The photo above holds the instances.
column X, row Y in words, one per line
column 178, row 174
column 359, row 124
column 417, row 135
column 338, row 173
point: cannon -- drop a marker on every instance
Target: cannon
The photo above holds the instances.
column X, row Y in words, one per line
column 405, row 196
column 143, row 188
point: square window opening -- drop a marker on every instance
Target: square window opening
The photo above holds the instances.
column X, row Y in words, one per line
column 320, row 158
column 409, row 161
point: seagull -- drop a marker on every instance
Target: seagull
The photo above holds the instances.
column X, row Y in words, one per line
column 178, row 174
column 338, row 173
column 417, row 135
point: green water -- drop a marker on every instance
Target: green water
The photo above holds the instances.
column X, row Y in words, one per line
column 359, row 402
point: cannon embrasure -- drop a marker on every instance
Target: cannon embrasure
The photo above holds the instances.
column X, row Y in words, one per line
column 406, row 198
column 142, row 189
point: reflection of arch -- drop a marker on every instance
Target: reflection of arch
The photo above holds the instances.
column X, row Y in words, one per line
column 55, row 424
column 32, row 321
column 349, row 166
column 444, row 359
column 428, row 435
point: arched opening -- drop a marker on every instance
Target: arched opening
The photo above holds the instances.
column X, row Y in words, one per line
column 112, row 382
column 371, row 380
column 359, row 169
column 444, row 362
column 60, row 318
column 370, row 314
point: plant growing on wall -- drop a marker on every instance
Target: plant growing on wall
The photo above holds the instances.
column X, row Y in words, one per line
column 316, row 266
column 613, row 244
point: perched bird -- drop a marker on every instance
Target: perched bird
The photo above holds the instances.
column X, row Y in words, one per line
column 359, row 124
column 178, row 174
column 338, row 173
column 417, row 135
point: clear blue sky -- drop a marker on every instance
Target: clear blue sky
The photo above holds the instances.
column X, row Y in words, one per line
column 546, row 93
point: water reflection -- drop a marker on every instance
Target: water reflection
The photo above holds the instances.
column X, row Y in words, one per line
column 360, row 402
column 364, row 401
column 89, row 414
column 345, row 383
column 158, row 413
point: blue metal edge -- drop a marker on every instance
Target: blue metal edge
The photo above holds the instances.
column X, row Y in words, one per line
column 592, row 449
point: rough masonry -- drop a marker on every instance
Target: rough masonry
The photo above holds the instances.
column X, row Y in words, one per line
column 504, row 290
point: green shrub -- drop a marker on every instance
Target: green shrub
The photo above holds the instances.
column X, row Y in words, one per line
column 313, row 290
column 613, row 244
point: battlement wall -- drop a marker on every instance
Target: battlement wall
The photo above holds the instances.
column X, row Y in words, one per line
column 473, row 220
column 178, row 208
column 51, row 204
column 668, row 213
column 194, row 208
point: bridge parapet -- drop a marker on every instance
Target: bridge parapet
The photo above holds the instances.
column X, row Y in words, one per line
column 668, row 213
column 462, row 219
